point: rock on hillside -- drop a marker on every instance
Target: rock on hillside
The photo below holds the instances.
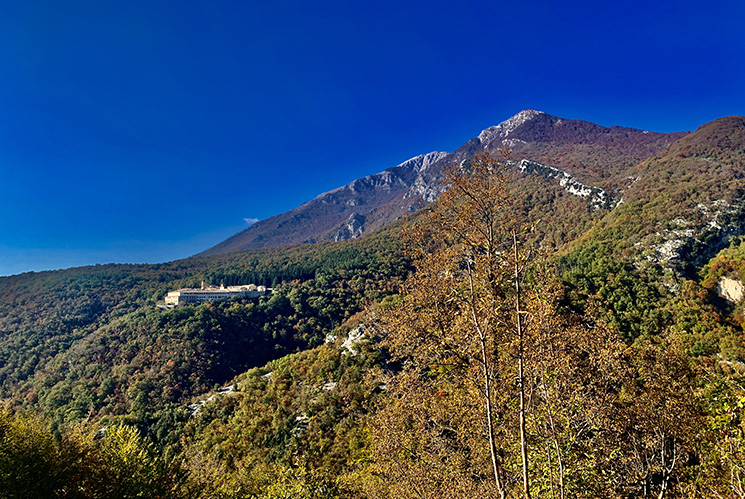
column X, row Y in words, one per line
column 685, row 204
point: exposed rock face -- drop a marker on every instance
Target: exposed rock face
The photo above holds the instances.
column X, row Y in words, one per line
column 687, row 201
column 501, row 133
column 352, row 229
column 597, row 196
column 731, row 290
column 591, row 161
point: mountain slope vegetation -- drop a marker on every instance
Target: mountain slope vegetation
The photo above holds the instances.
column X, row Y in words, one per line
column 90, row 342
column 513, row 340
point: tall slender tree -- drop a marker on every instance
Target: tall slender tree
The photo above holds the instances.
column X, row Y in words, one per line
column 460, row 335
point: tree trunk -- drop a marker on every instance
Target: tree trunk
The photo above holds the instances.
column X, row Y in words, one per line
column 520, row 369
column 496, row 465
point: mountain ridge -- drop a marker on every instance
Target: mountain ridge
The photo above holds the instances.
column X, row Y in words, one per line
column 691, row 197
column 336, row 208
column 591, row 154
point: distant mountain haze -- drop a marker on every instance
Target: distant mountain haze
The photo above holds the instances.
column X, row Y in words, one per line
column 593, row 155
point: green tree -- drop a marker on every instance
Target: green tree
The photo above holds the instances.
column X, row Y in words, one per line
column 31, row 463
column 128, row 466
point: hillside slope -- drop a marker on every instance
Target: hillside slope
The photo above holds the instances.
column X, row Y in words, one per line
column 90, row 342
column 684, row 205
column 343, row 213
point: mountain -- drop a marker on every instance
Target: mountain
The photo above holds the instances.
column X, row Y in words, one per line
column 586, row 153
column 344, row 213
column 684, row 205
column 617, row 211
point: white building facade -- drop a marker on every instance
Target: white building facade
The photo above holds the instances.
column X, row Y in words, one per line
column 194, row 295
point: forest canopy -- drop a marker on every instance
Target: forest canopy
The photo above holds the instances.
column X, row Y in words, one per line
column 475, row 356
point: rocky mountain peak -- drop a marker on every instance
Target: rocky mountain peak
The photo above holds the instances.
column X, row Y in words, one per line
column 580, row 155
column 504, row 129
column 423, row 161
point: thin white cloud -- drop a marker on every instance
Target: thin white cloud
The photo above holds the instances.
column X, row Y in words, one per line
column 250, row 221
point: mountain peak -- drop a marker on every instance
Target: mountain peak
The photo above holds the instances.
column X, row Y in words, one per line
column 423, row 161
column 504, row 129
column 523, row 116
column 594, row 155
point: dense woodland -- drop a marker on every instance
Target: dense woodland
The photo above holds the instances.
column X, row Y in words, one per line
column 511, row 342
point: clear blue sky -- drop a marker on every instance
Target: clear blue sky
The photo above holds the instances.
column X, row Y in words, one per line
column 146, row 131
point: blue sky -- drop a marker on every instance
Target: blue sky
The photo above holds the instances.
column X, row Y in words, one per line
column 146, row 131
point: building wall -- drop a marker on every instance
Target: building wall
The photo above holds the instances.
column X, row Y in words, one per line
column 182, row 296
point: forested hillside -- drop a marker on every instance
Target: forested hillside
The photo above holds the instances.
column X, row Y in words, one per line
column 515, row 339
column 89, row 342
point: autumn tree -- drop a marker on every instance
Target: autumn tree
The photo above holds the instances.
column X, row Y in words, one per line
column 492, row 390
column 460, row 337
